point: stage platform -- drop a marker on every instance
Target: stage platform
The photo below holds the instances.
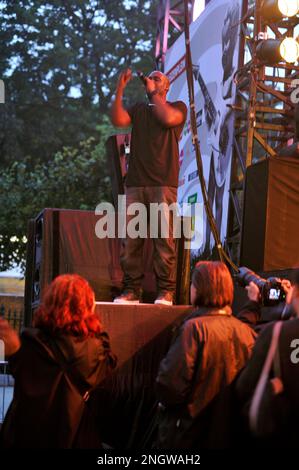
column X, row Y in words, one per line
column 134, row 327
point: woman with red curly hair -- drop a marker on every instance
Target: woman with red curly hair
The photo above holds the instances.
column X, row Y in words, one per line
column 56, row 365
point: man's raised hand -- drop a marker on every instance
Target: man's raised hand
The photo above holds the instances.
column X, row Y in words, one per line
column 124, row 78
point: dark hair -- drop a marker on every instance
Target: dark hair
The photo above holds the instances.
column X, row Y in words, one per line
column 68, row 307
column 213, row 284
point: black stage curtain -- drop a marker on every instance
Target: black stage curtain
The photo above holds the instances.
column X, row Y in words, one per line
column 125, row 404
column 271, row 215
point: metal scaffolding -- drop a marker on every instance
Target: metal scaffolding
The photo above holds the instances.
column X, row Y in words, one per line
column 170, row 16
column 264, row 110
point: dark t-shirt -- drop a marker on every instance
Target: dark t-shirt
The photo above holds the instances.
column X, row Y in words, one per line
column 154, row 158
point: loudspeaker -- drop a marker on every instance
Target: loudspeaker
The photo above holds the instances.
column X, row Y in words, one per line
column 64, row 241
column 269, row 239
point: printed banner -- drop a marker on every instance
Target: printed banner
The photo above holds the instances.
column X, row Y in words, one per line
column 215, row 54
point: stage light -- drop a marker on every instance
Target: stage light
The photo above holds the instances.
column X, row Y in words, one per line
column 277, row 9
column 272, row 51
column 288, row 7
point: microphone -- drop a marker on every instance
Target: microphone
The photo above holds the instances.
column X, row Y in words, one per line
column 141, row 76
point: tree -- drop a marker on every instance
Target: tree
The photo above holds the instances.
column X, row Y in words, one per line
column 75, row 178
column 60, row 61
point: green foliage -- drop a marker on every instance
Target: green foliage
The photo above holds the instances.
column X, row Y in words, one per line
column 60, row 61
column 75, row 178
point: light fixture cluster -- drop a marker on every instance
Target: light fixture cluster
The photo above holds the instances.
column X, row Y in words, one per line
column 288, row 7
column 272, row 51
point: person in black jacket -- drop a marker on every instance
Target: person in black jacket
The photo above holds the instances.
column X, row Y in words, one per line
column 55, row 366
column 211, row 347
column 252, row 314
column 289, row 364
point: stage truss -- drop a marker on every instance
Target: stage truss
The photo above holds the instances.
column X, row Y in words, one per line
column 264, row 110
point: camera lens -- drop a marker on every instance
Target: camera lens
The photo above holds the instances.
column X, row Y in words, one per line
column 245, row 276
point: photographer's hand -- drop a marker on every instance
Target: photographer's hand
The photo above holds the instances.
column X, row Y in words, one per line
column 253, row 292
column 287, row 287
column 288, row 310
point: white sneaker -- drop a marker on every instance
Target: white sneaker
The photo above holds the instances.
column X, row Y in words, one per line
column 127, row 297
column 164, row 298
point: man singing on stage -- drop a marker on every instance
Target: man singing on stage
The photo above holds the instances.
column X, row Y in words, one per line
column 152, row 178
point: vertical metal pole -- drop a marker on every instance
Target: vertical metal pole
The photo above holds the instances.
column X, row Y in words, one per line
column 251, row 115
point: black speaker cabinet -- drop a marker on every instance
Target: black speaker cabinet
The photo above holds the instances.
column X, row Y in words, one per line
column 64, row 241
column 270, row 226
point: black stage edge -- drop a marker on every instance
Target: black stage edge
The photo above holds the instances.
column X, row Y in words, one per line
column 125, row 405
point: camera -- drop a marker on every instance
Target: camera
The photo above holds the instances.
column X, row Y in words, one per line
column 271, row 289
